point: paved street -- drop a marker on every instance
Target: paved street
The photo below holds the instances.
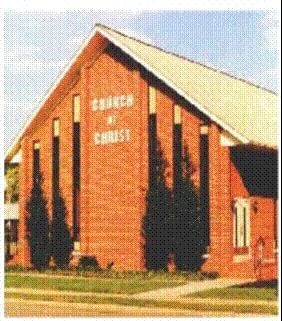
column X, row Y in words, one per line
column 26, row 308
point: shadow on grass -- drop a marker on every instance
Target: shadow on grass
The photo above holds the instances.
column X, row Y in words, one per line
column 271, row 284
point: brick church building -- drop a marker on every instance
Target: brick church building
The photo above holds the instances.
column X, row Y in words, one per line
column 96, row 135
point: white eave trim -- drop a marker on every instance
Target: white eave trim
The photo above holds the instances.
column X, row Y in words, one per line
column 225, row 126
column 17, row 158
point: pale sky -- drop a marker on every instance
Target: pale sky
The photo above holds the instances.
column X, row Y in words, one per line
column 37, row 46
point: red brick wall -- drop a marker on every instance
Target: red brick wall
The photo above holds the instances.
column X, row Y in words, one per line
column 262, row 229
column 112, row 199
column 165, row 131
column 22, row 256
column 230, row 184
column 214, row 261
column 238, row 187
column 191, row 140
column 43, row 133
column 114, row 177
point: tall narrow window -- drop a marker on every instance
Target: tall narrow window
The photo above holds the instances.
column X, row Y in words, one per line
column 245, row 226
column 76, row 167
column 152, row 136
column 36, row 162
column 235, row 227
column 55, row 157
column 177, row 146
column 241, row 237
column 204, row 182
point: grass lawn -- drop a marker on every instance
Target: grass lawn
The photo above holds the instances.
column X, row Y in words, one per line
column 99, row 285
column 252, row 291
column 131, row 285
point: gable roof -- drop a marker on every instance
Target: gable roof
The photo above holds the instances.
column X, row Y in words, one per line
column 248, row 112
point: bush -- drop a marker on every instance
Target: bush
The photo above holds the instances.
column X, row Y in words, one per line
column 89, row 262
column 188, row 236
column 156, row 223
column 60, row 243
column 211, row 275
column 12, row 180
column 38, row 227
column 17, row 268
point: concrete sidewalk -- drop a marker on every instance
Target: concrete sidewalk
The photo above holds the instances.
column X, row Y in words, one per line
column 191, row 287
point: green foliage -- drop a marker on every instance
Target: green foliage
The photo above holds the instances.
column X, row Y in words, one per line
column 38, row 228
column 156, row 276
column 157, row 220
column 211, row 275
column 12, row 181
column 188, row 244
column 60, row 243
column 16, row 268
column 185, row 227
column 172, row 223
column 86, row 262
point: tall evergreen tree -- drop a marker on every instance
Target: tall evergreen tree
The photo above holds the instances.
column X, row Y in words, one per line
column 61, row 243
column 188, row 239
column 38, row 227
column 157, row 220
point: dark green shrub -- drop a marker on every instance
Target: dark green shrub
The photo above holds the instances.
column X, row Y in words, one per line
column 38, row 227
column 89, row 262
column 187, row 233
column 156, row 224
column 16, row 268
column 211, row 275
column 61, row 243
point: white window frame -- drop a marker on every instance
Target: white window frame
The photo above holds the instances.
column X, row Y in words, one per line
column 241, row 223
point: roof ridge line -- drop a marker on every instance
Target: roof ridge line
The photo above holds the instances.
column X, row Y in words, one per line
column 187, row 59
